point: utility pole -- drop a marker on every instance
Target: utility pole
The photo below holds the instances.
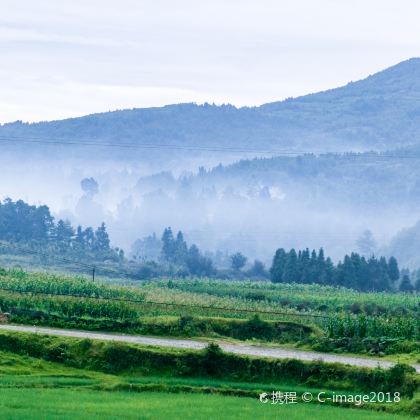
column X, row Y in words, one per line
column 93, row 274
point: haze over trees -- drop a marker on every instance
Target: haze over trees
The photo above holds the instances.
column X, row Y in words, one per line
column 354, row 271
column 34, row 226
column 179, row 166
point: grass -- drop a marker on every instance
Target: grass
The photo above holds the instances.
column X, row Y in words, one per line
column 76, row 404
column 32, row 388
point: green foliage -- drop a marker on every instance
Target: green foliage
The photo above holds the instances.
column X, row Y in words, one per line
column 238, row 261
column 373, row 323
column 33, row 229
column 362, row 326
column 54, row 298
column 307, row 299
column 354, row 272
column 255, row 328
column 210, row 363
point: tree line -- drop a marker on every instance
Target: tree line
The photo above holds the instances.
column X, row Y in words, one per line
column 355, row 271
column 31, row 225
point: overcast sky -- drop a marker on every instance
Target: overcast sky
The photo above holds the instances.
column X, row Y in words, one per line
column 74, row 57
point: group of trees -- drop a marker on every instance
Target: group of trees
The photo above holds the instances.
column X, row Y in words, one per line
column 21, row 223
column 354, row 271
column 177, row 252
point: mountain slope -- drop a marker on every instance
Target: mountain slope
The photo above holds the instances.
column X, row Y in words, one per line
column 379, row 112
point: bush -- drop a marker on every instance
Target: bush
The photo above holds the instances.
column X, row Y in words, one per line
column 211, row 362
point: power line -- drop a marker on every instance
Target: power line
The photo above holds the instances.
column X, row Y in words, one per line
column 183, row 305
column 86, row 142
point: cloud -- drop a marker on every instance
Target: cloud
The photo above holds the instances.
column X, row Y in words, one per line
column 72, row 57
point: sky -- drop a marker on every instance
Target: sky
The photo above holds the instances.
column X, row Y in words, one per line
column 69, row 58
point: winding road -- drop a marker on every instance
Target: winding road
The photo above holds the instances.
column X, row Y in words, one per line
column 242, row 349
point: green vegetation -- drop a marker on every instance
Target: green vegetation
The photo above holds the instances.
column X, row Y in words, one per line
column 34, row 363
column 34, row 228
column 74, row 404
column 354, row 271
column 211, row 363
column 320, row 317
column 59, row 376
column 301, row 297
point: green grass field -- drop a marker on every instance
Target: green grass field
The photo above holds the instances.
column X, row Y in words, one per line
column 82, row 404
column 32, row 387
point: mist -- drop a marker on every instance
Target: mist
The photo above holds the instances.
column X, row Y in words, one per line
column 216, row 206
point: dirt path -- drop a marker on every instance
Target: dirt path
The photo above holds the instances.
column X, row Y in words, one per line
column 276, row 353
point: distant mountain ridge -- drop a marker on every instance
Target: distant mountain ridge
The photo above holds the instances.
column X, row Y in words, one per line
column 380, row 112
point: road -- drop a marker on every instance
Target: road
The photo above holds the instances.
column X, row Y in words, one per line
column 242, row 349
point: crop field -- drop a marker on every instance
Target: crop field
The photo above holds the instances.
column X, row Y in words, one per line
column 50, row 377
column 323, row 318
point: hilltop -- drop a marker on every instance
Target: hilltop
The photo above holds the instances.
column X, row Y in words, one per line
column 380, row 112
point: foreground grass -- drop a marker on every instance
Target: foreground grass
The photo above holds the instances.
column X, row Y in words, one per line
column 72, row 404
column 36, row 388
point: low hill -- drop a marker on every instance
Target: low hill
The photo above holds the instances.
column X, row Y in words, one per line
column 380, row 112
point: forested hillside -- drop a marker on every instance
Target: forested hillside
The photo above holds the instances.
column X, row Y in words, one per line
column 380, row 112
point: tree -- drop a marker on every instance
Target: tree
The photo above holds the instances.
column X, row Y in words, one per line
column 405, row 285
column 168, row 245
column 291, row 273
column 197, row 264
column 89, row 238
column 349, row 277
column 366, row 243
column 148, row 249
column 258, row 270
column 21, row 222
column 63, row 234
column 101, row 241
column 354, row 271
column 393, row 270
column 180, row 249
column 89, row 186
column 277, row 267
column 327, row 275
column 238, row 261
column 80, row 238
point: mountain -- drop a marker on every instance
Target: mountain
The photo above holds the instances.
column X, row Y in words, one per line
column 380, row 112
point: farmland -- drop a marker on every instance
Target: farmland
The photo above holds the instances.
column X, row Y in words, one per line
column 319, row 317
column 313, row 317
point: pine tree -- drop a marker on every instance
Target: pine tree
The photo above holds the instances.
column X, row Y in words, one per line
column 79, row 239
column 277, row 267
column 291, row 273
column 405, row 285
column 89, row 238
column 180, row 249
column 393, row 270
column 168, row 245
column 327, row 275
column 101, row 240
